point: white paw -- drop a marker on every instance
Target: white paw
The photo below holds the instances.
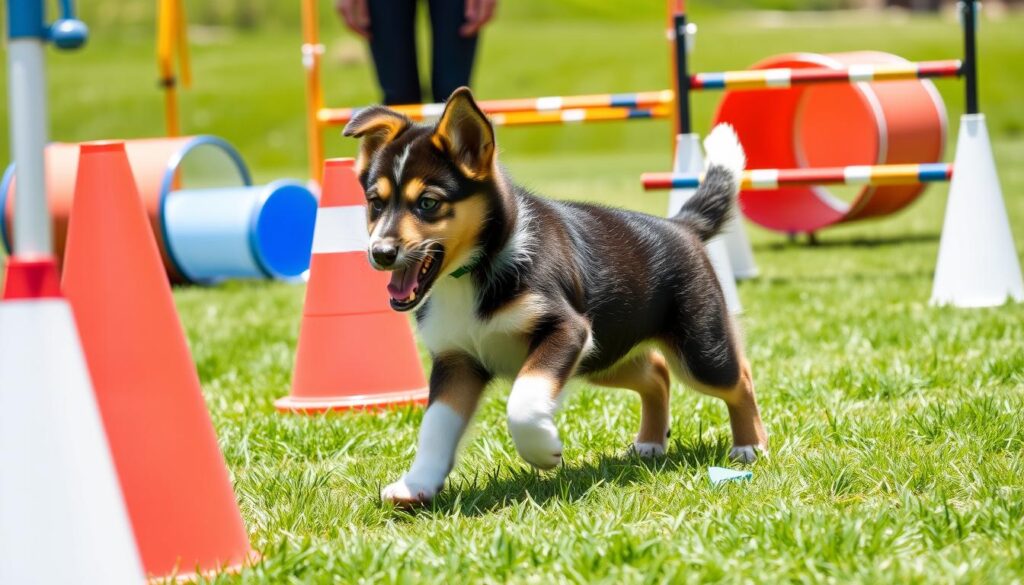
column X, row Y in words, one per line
column 408, row 493
column 537, row 442
column 531, row 411
column 647, row 449
column 746, row 453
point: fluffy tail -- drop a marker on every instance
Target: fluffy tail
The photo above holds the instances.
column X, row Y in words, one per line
column 711, row 206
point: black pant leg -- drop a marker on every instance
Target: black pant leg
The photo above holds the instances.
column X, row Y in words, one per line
column 452, row 54
column 393, row 45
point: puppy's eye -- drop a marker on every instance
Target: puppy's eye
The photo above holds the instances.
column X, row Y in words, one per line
column 376, row 203
column 427, row 203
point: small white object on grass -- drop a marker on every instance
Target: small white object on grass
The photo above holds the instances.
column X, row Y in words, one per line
column 719, row 475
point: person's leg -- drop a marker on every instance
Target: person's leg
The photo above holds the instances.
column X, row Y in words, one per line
column 451, row 60
column 393, row 45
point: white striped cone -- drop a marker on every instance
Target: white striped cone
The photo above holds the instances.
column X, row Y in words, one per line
column 690, row 159
column 741, row 255
column 977, row 264
column 354, row 351
column 63, row 514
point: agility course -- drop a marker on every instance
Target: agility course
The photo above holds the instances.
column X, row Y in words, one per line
column 899, row 420
column 802, row 124
column 787, row 111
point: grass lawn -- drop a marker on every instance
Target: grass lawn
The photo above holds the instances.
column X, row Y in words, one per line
column 896, row 427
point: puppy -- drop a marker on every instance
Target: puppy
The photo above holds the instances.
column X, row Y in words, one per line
column 508, row 284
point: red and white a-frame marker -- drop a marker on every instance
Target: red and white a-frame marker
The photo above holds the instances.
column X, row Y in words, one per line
column 63, row 514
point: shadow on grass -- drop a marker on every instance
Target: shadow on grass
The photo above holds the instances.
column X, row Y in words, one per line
column 483, row 495
column 854, row 242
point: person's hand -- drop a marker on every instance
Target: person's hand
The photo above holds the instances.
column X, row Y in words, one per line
column 356, row 15
column 478, row 13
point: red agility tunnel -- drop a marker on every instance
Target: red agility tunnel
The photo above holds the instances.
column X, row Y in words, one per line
column 834, row 125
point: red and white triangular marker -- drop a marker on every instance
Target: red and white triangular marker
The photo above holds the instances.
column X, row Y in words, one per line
column 62, row 514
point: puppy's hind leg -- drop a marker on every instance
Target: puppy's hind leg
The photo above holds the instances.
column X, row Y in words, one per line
column 749, row 439
column 708, row 358
column 647, row 375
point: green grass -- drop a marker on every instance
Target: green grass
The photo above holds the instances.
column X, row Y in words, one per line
column 897, row 434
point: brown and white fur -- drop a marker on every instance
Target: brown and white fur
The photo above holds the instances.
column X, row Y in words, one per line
column 508, row 284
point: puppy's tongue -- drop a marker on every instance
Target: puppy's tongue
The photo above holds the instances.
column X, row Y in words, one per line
column 403, row 281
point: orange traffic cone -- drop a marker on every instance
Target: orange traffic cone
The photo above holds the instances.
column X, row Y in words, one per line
column 354, row 351
column 173, row 476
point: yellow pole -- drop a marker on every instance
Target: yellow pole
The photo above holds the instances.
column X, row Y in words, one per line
column 172, row 39
column 311, row 51
column 182, row 40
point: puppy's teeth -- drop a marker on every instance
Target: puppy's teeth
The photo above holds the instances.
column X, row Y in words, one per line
column 412, row 297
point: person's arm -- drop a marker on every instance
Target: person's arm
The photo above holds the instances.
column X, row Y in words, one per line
column 356, row 15
column 478, row 13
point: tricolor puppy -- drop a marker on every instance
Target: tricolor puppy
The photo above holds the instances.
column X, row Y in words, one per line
column 509, row 284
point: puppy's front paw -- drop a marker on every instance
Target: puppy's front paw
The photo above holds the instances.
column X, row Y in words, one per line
column 647, row 449
column 537, row 443
column 408, row 493
column 747, row 453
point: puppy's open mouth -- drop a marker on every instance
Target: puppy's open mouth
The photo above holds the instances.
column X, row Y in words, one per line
column 409, row 285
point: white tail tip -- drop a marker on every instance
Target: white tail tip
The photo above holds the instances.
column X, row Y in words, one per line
column 723, row 148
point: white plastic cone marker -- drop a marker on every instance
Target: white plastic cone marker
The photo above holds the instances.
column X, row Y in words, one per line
column 741, row 255
column 978, row 264
column 63, row 515
column 690, row 160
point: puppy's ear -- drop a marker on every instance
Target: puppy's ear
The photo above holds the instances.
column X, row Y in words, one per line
column 465, row 133
column 377, row 126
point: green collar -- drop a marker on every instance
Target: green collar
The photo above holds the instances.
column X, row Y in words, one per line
column 468, row 267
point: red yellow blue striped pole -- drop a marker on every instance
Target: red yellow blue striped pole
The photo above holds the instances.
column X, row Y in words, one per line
column 578, row 115
column 636, row 100
column 787, row 77
column 852, row 175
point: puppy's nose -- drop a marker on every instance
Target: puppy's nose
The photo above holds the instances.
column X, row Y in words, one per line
column 384, row 254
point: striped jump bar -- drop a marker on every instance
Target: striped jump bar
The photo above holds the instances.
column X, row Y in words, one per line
column 786, row 77
column 578, row 115
column 635, row 101
column 852, row 175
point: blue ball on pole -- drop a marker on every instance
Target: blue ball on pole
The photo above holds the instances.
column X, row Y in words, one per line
column 68, row 33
